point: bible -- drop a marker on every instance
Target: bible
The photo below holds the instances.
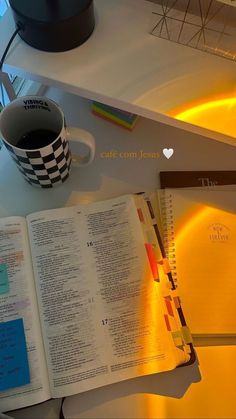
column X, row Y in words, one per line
column 92, row 288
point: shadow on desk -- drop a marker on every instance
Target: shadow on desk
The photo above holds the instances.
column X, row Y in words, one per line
column 212, row 397
column 171, row 384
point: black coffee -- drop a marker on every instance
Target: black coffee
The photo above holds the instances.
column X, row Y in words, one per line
column 36, row 139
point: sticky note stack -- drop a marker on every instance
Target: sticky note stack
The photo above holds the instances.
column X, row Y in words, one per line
column 117, row 116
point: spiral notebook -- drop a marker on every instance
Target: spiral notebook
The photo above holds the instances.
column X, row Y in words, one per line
column 199, row 230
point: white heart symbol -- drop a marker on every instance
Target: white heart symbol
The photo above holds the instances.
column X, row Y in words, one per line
column 168, row 152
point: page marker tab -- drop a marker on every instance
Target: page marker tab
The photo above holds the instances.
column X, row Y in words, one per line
column 151, row 238
column 140, row 215
column 177, row 337
column 166, row 266
column 4, row 281
column 169, row 306
column 150, row 208
column 167, row 321
column 186, row 334
column 14, row 367
column 150, row 235
column 152, row 261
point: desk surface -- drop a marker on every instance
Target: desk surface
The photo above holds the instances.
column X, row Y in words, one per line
column 123, row 65
column 211, row 398
column 111, row 177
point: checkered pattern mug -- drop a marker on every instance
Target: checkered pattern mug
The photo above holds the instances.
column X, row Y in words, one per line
column 42, row 165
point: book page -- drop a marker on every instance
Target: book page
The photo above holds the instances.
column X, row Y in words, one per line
column 18, row 301
column 100, row 311
column 201, row 231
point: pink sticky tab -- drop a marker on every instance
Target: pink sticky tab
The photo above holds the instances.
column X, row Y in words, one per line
column 152, row 261
column 167, row 322
column 169, row 307
column 177, row 302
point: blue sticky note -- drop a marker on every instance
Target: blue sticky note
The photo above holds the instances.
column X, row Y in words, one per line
column 4, row 282
column 14, row 367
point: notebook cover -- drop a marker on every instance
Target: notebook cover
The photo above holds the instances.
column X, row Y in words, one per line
column 182, row 179
column 200, row 235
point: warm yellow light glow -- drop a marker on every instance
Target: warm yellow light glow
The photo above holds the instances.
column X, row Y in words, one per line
column 191, row 222
column 217, row 115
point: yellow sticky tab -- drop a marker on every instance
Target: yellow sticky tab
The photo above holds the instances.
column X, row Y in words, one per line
column 166, row 266
column 152, row 261
column 156, row 251
column 186, row 334
column 177, row 337
column 175, row 293
column 150, row 237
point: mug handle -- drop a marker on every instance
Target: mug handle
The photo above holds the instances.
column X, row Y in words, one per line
column 81, row 136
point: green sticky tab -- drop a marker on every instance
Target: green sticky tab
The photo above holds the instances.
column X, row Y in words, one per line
column 4, row 282
column 186, row 334
column 177, row 337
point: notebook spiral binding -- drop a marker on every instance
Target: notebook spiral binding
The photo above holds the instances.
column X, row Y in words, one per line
column 168, row 231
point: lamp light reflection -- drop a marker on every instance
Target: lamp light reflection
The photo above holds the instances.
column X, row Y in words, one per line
column 217, row 115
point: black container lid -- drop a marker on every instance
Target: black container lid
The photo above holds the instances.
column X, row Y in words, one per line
column 48, row 10
column 54, row 25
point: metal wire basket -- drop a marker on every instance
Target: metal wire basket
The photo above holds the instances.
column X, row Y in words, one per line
column 207, row 25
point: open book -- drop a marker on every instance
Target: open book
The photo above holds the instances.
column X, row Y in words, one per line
column 93, row 289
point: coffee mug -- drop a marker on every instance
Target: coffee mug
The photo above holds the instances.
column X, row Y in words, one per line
column 34, row 131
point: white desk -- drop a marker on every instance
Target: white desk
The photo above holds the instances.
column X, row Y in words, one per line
column 123, row 65
column 106, row 178
column 112, row 177
column 212, row 398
